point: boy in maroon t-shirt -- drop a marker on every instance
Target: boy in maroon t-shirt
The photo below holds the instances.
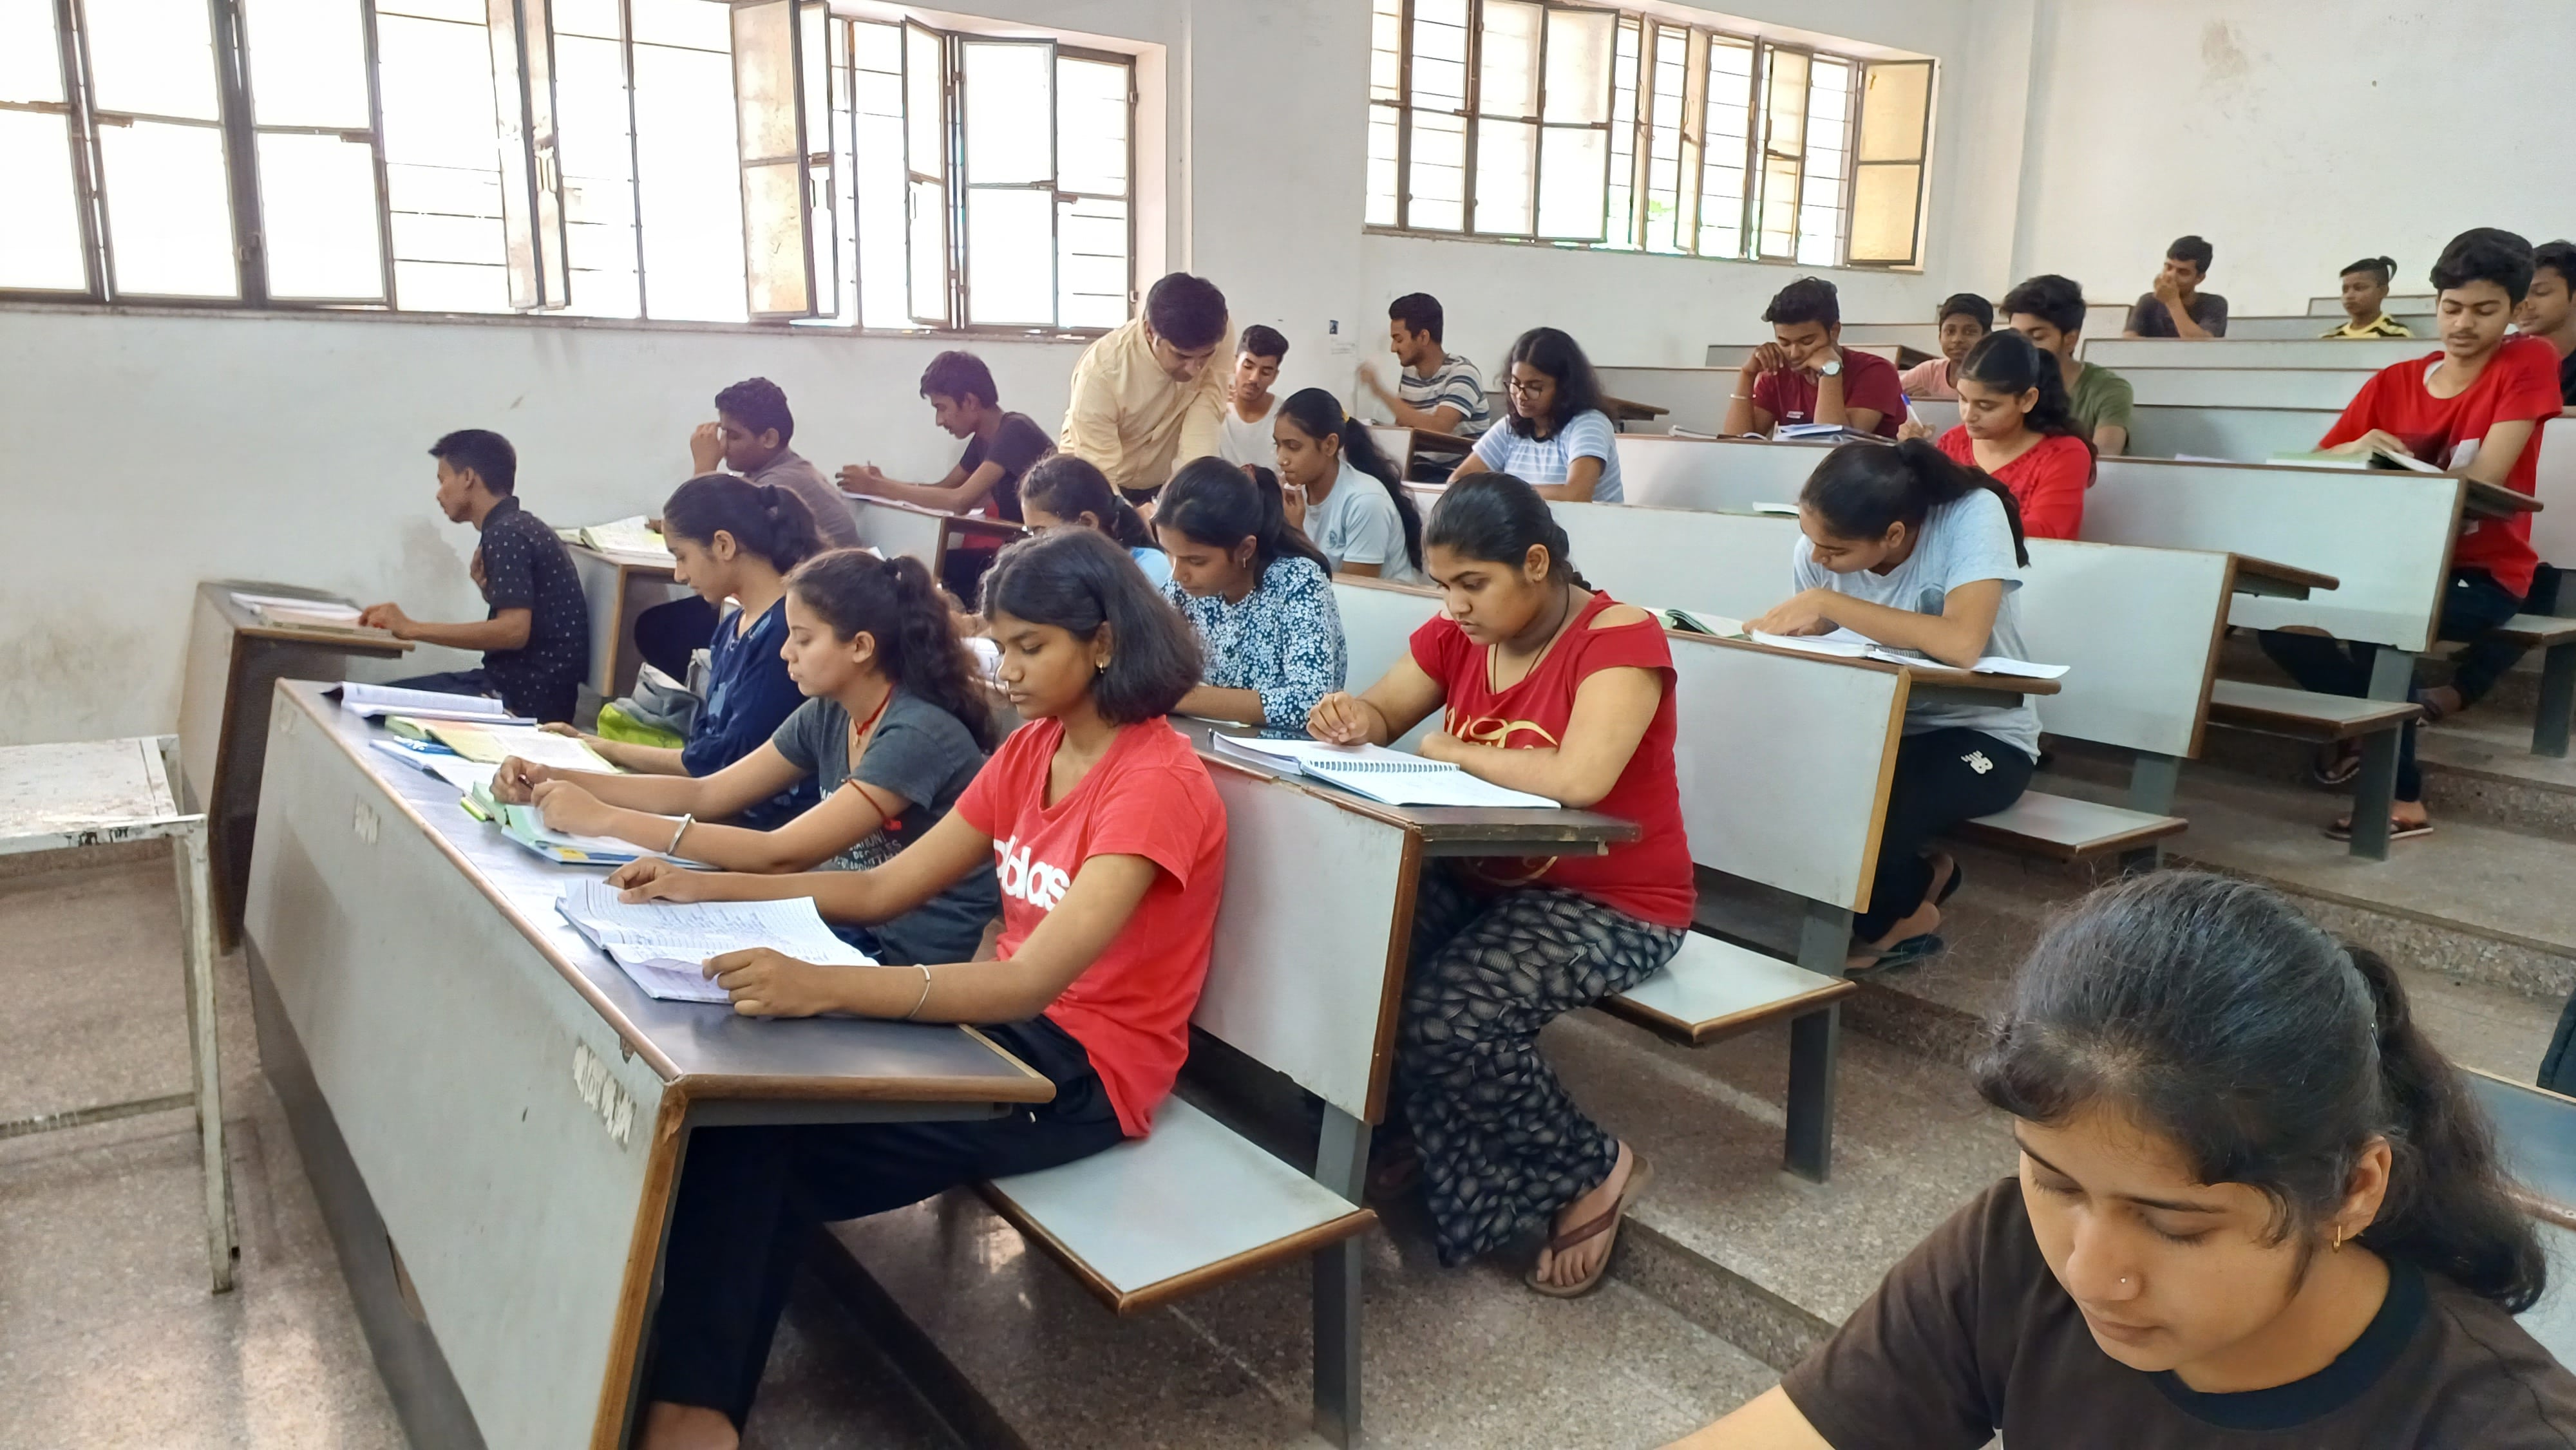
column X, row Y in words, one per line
column 2474, row 408
column 1804, row 376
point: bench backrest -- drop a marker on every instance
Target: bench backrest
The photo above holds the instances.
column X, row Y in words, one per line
column 2418, row 304
column 1695, row 396
column 2197, row 387
column 2248, row 435
column 1731, row 355
column 2340, row 354
column 893, row 528
column 1396, row 444
column 1797, row 809
column 2138, row 627
column 2303, row 328
column 2385, row 535
column 2553, row 529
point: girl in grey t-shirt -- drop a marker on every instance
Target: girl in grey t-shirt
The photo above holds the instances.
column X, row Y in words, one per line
column 1915, row 552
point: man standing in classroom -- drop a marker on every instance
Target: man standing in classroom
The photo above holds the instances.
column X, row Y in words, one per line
column 1145, row 398
column 2176, row 307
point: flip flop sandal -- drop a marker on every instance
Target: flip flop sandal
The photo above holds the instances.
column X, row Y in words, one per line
column 1950, row 888
column 1912, row 949
column 1396, row 1172
column 2345, row 768
column 1640, row 1173
column 2397, row 830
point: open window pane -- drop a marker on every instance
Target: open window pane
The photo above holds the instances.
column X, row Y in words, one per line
column 1506, row 155
column 532, row 226
column 689, row 182
column 1729, row 128
column 1570, row 194
column 308, row 63
column 596, row 149
column 1668, row 71
column 40, row 247
column 152, row 58
column 1439, row 80
column 1382, row 145
column 1884, row 213
column 1507, row 70
column 317, row 205
column 1091, row 263
column 876, row 153
column 1820, row 190
column 1580, row 44
column 442, row 163
column 929, row 247
column 1010, row 258
column 827, row 119
column 771, row 134
column 1090, row 127
column 1010, row 112
column 1896, row 98
column 774, row 250
column 1439, row 172
column 169, row 210
column 925, row 101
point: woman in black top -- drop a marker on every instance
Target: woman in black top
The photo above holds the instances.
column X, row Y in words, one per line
column 2256, row 1208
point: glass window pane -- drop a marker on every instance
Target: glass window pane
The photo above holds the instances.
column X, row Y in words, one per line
column 41, row 245
column 1669, row 75
column 31, row 59
column 929, row 248
column 1090, row 127
column 152, row 57
column 689, row 24
column 1883, row 212
column 1505, row 153
column 169, row 213
column 1440, row 54
column 1570, row 183
column 597, row 19
column 1729, row 125
column 1623, row 134
column 1386, row 50
column 1786, row 97
column 1507, row 68
column 764, row 79
column 1579, row 47
column 442, row 162
column 1439, row 172
column 925, row 112
column 1820, row 188
column 1010, row 258
column 596, row 153
column 1010, row 113
column 308, row 62
column 876, row 153
column 1895, row 97
column 689, row 189
column 1779, row 206
column 1091, row 263
column 774, row 239
column 317, row 205
column 1381, row 165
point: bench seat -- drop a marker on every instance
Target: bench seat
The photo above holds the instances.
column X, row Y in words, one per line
column 1713, row 988
column 1159, row 1217
column 2065, row 829
column 2303, row 714
column 2555, row 637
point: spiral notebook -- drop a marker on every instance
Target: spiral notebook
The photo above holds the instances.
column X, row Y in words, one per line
column 1391, row 776
column 662, row 946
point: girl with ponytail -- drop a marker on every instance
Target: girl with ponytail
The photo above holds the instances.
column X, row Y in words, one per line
column 1546, row 685
column 1254, row 590
column 1915, row 552
column 1062, row 490
column 2254, row 1208
column 2014, row 424
column 1347, row 496
column 730, row 539
column 893, row 728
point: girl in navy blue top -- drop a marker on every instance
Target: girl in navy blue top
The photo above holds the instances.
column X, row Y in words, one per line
column 733, row 542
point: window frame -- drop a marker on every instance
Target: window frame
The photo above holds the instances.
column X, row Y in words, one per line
column 1692, row 146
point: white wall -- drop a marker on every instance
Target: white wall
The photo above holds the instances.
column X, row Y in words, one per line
column 146, row 450
column 2296, row 135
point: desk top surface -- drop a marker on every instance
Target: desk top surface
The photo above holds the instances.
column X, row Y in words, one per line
column 60, row 794
column 218, row 593
column 719, row 1054
column 2285, row 573
column 624, row 563
column 2536, row 1129
column 1507, row 831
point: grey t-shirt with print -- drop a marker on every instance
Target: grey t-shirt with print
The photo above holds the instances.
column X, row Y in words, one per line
column 1963, row 541
column 927, row 756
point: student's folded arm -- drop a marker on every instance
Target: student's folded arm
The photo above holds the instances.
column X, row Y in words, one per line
column 2501, row 450
column 1743, row 415
column 947, row 495
column 1439, row 419
column 506, row 630
column 833, row 825
column 1768, row 1421
column 1955, row 637
column 1612, row 708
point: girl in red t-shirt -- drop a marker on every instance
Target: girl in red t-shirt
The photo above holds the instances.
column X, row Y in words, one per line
column 2016, row 424
column 2474, row 408
column 1110, row 843
column 1553, row 688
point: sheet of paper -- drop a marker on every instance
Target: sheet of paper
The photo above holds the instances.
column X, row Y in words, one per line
column 1842, row 643
column 466, row 775
column 370, row 701
column 692, row 932
column 1789, row 509
column 1413, row 781
column 1998, row 665
column 312, row 608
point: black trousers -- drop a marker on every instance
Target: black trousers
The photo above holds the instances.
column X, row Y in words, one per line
column 667, row 634
column 1942, row 777
column 749, row 1196
column 554, row 702
column 2558, row 1065
column 2471, row 609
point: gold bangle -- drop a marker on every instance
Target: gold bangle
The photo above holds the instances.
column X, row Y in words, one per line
column 925, row 993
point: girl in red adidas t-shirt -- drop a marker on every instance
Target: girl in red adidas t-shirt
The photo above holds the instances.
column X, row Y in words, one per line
column 1550, row 687
column 1110, row 843
column 2474, row 408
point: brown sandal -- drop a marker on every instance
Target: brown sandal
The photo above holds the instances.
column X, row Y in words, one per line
column 1640, row 1173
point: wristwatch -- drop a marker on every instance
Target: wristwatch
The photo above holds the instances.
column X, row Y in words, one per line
column 1832, row 369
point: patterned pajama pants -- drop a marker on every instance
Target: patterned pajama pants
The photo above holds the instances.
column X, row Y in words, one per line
column 1502, row 1144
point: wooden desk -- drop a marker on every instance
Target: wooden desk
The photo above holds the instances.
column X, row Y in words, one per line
column 234, row 663
column 618, row 587
column 2278, row 581
column 1623, row 411
column 2495, row 501
column 493, row 1116
column 89, row 793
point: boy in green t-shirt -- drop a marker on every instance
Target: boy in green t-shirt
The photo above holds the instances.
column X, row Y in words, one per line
column 2049, row 310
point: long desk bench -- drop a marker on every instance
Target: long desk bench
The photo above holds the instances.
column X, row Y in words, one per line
column 892, row 527
column 493, row 1115
column 2252, row 387
column 2304, row 328
column 2246, row 435
column 2340, row 354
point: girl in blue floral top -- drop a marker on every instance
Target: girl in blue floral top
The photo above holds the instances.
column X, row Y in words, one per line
column 1255, row 590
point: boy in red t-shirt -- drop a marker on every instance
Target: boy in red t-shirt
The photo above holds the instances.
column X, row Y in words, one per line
column 1110, row 843
column 1803, row 375
column 2475, row 408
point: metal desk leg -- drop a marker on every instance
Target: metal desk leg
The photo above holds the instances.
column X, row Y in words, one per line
column 2557, row 700
column 197, row 930
column 1815, row 1047
column 1341, row 1164
column 2373, row 791
column 2392, row 674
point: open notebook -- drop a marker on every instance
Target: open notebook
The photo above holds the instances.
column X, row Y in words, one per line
column 1392, row 776
column 369, row 701
column 662, row 946
column 1841, row 644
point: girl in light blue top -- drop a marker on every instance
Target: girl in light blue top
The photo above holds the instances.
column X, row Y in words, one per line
column 1062, row 489
column 1557, row 438
column 1344, row 494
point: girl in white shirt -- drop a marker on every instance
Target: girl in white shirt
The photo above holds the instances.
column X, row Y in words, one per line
column 1344, row 494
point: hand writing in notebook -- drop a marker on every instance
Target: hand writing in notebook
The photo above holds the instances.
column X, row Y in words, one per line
column 652, row 878
column 1342, row 718
column 1800, row 613
column 767, row 983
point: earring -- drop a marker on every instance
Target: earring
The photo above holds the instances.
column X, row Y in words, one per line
column 2338, row 1238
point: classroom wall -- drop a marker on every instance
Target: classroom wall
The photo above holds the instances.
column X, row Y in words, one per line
column 2296, row 135
column 147, row 449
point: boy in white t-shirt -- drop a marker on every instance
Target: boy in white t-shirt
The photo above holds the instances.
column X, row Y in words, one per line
column 1248, row 402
